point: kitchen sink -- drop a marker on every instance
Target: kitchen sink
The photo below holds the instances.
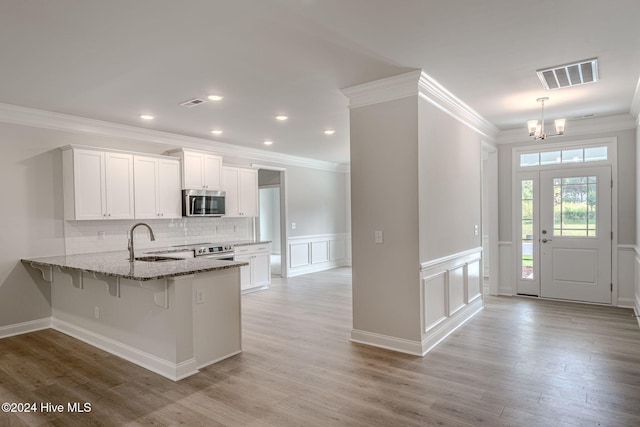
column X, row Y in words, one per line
column 155, row 258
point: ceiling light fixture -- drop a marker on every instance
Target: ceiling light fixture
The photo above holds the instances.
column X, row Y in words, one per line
column 536, row 131
column 282, row 117
column 215, row 97
column 329, row 131
column 146, row 117
column 268, row 142
column 216, row 132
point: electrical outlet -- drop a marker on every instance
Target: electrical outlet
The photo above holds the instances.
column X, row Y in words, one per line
column 293, row 225
column 96, row 312
column 377, row 237
column 475, row 230
column 199, row 296
column 101, row 235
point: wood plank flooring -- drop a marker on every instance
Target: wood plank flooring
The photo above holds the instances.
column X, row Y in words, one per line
column 518, row 362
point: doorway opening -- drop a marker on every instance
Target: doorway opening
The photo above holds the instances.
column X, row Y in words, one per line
column 272, row 219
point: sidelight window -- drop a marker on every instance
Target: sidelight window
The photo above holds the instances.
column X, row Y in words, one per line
column 527, row 229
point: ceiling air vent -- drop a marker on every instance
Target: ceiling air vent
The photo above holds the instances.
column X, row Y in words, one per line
column 192, row 102
column 574, row 74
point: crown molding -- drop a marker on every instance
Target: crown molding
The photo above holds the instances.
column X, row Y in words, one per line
column 383, row 90
column 574, row 128
column 33, row 117
column 439, row 96
column 419, row 83
column 635, row 104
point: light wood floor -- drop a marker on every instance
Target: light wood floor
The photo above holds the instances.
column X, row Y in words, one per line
column 518, row 362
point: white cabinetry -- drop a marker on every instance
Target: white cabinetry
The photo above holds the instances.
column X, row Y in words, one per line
column 256, row 275
column 200, row 170
column 157, row 187
column 241, row 187
column 97, row 184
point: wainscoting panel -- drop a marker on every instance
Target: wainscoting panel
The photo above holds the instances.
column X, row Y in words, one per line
column 435, row 298
column 319, row 252
column 337, row 249
column 457, row 284
column 626, row 280
column 473, row 281
column 309, row 254
column 451, row 294
column 299, row 253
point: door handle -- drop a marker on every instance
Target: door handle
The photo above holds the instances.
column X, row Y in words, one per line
column 546, row 240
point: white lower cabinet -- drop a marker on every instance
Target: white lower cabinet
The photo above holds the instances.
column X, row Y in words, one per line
column 256, row 275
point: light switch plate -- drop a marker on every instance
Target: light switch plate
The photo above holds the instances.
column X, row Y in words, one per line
column 199, row 296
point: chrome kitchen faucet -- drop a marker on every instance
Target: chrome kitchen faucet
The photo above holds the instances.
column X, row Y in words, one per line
column 130, row 247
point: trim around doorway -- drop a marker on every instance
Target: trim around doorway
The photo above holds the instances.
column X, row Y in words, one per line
column 516, row 170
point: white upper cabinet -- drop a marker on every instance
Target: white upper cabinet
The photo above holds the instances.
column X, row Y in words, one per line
column 241, row 187
column 200, row 170
column 157, row 187
column 97, row 184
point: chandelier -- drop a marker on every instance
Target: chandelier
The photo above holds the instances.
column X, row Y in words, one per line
column 536, row 131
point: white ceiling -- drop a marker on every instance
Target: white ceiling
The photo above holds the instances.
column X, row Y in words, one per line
column 115, row 59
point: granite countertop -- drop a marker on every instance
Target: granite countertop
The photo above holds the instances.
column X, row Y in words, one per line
column 117, row 264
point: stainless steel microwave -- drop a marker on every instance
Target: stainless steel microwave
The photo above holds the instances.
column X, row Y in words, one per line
column 203, row 203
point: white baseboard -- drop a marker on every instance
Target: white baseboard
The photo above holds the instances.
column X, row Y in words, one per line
column 626, row 302
column 148, row 361
column 25, row 327
column 387, row 342
column 417, row 348
column 204, row 365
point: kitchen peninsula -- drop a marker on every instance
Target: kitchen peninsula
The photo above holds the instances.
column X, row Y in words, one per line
column 169, row 315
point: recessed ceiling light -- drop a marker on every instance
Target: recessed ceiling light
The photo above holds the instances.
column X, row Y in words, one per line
column 268, row 142
column 215, row 97
column 146, row 117
column 282, row 117
column 216, row 132
column 329, row 131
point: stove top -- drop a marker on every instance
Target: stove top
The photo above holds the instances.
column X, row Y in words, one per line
column 191, row 245
column 201, row 249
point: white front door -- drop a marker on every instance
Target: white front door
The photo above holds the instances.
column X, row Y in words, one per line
column 575, row 234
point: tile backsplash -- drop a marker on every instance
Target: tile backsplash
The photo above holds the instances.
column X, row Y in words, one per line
column 106, row 236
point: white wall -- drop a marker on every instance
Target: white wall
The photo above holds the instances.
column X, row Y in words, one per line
column 384, row 197
column 450, row 185
column 32, row 208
